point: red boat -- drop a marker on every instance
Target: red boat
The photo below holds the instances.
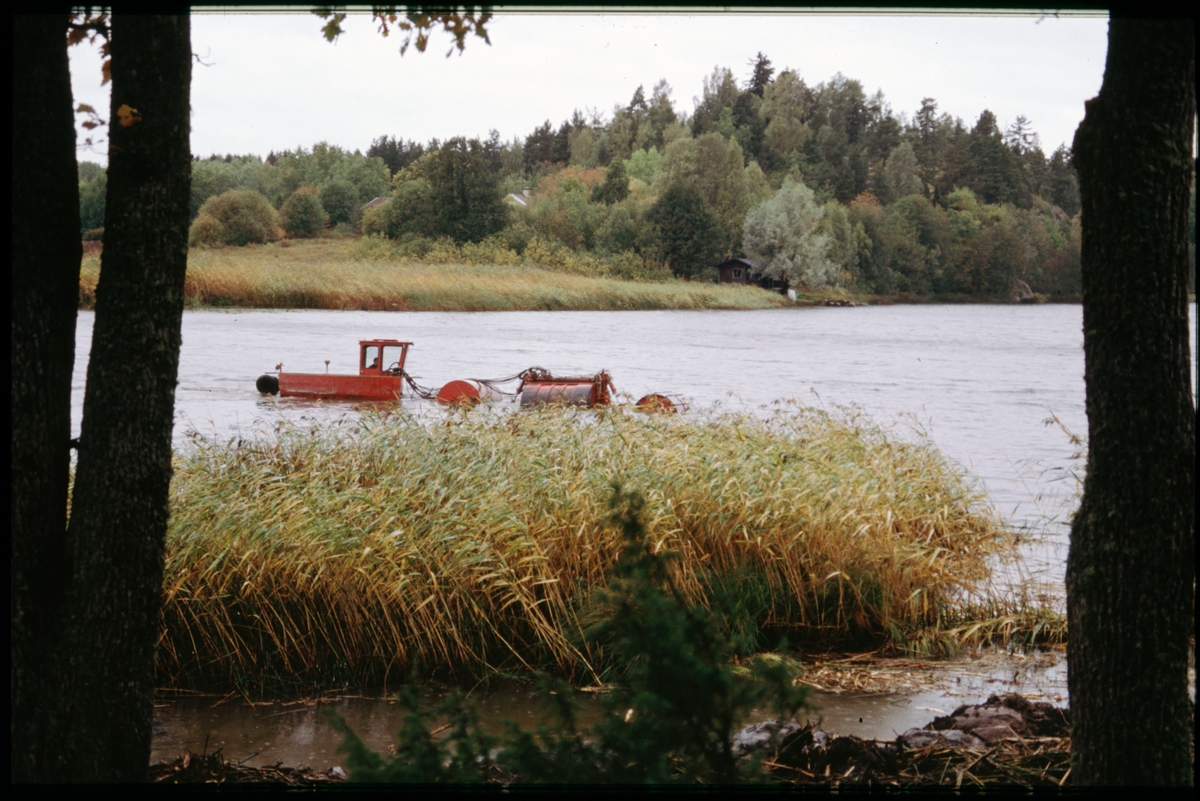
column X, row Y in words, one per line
column 380, row 376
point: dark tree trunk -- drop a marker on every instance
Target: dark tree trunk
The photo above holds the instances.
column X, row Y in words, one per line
column 45, row 294
column 96, row 593
column 119, row 508
column 1131, row 568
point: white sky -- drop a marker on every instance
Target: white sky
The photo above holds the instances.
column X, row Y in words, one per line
column 273, row 82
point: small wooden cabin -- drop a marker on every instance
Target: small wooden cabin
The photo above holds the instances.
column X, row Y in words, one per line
column 745, row 271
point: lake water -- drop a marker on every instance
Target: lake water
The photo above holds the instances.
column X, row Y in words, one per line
column 980, row 380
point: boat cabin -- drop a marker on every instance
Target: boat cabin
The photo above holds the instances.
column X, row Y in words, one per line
column 382, row 356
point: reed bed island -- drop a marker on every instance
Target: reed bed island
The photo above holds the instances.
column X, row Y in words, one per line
column 472, row 544
column 372, row 274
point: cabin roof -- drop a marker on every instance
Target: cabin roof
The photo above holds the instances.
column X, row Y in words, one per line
column 738, row 262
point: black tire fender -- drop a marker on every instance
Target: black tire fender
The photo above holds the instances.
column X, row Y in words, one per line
column 267, row 384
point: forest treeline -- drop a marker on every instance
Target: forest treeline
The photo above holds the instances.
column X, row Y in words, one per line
column 822, row 186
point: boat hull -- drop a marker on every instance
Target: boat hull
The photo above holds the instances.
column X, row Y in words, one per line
column 340, row 387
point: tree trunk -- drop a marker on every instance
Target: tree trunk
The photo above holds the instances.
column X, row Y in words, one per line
column 86, row 605
column 45, row 295
column 1131, row 567
column 119, row 508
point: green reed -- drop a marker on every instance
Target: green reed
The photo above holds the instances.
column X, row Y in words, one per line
column 356, row 551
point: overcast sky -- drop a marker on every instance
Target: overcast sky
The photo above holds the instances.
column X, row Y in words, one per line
column 272, row 82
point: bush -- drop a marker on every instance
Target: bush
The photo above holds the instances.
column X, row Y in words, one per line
column 206, row 232
column 374, row 221
column 245, row 217
column 517, row 236
column 373, row 248
column 619, row 232
column 303, row 214
column 629, row 266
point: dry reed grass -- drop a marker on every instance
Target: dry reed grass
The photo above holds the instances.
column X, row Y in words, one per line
column 344, row 274
column 355, row 552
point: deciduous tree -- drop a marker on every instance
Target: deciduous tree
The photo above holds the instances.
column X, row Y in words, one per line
column 783, row 235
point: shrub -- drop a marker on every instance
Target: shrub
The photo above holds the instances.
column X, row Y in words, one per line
column 373, row 248
column 206, row 232
column 630, row 267
column 245, row 217
column 303, row 214
column 517, row 236
column 619, row 232
column 374, row 221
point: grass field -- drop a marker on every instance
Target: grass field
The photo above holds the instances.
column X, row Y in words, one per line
column 354, row 553
column 347, row 274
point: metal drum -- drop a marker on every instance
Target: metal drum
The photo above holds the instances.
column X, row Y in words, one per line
column 467, row 393
column 585, row 391
column 655, row 402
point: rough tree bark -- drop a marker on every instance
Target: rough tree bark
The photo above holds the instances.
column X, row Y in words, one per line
column 45, row 295
column 98, row 614
column 1131, row 567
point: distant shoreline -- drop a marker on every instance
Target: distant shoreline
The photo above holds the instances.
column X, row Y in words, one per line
column 339, row 274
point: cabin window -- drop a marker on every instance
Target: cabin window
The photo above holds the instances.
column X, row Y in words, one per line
column 370, row 358
column 737, row 272
column 391, row 357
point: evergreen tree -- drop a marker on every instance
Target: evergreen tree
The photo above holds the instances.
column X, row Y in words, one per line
column 761, row 74
column 688, row 234
column 991, row 162
column 388, row 149
column 466, row 196
column 615, row 187
column 539, row 146
column 660, row 114
column 1062, row 184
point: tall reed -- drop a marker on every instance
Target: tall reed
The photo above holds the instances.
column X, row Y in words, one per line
column 354, row 552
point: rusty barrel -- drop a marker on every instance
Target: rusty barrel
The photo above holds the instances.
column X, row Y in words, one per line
column 584, row 391
column 467, row 393
column 656, row 403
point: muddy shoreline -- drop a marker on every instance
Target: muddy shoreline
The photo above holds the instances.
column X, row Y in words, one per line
column 1007, row 740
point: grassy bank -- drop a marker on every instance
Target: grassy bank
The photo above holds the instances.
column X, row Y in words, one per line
column 354, row 553
column 346, row 274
